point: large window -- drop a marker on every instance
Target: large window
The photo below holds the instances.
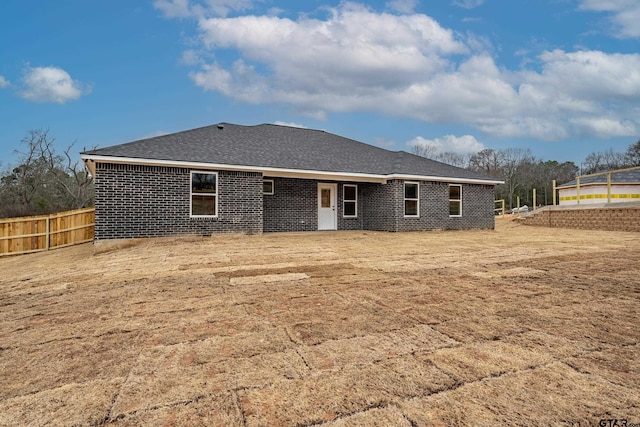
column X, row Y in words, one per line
column 455, row 200
column 411, row 199
column 267, row 186
column 350, row 201
column 204, row 194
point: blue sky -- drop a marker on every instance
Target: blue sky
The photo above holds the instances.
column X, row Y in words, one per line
column 561, row 77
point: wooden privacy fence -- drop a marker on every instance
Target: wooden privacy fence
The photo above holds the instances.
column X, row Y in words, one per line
column 41, row 233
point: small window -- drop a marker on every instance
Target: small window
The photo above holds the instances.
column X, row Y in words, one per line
column 204, row 194
column 350, row 201
column 411, row 199
column 267, row 186
column 325, row 198
column 455, row 200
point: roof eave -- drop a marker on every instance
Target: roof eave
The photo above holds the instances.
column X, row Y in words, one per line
column 445, row 179
column 91, row 159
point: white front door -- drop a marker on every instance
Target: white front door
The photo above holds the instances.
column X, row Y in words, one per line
column 327, row 213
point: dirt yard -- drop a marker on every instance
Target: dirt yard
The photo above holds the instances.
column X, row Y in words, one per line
column 517, row 326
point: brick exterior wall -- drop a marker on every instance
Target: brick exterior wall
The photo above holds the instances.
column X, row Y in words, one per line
column 380, row 206
column 294, row 206
column 149, row 201
column 608, row 219
column 384, row 207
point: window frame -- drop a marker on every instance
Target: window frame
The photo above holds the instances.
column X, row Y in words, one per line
column 273, row 187
column 345, row 201
column 191, row 194
column 417, row 199
column 455, row 200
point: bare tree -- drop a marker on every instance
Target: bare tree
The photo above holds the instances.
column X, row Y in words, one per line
column 454, row 159
column 632, row 156
column 487, row 161
column 513, row 160
column 424, row 150
column 43, row 181
column 602, row 161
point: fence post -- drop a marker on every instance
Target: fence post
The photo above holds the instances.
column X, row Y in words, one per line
column 578, row 190
column 534, row 200
column 554, row 192
column 518, row 205
column 47, row 231
column 609, row 187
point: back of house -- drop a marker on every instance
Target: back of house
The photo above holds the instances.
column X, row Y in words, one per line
column 229, row 178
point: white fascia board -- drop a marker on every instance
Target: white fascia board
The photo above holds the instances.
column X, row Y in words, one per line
column 90, row 161
column 445, row 179
column 267, row 171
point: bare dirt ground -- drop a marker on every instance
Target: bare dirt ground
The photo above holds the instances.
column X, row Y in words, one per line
column 517, row 326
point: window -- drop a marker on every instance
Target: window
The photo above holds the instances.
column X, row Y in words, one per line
column 350, row 201
column 267, row 186
column 411, row 199
column 455, row 200
column 204, row 194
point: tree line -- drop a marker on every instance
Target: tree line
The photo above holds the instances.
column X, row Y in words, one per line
column 522, row 172
column 44, row 181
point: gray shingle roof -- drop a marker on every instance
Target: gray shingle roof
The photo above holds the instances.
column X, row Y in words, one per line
column 282, row 147
column 632, row 176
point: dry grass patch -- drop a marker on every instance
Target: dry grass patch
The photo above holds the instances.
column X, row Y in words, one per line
column 552, row 395
column 376, row 417
column 481, row 326
column 206, row 411
column 373, row 348
column 156, row 382
column 336, row 329
column 72, row 404
column 475, row 361
column 327, row 395
column 619, row 365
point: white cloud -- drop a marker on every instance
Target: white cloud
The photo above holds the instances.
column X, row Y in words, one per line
column 3, row 82
column 358, row 60
column 467, row 4
column 200, row 8
column 604, row 127
column 466, row 144
column 174, row 8
column 403, row 6
column 50, row 84
column 625, row 15
column 355, row 51
column 190, row 57
column 290, row 124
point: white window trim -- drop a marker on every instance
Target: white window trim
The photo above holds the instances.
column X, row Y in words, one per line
column 455, row 200
column 345, row 200
column 191, row 193
column 273, row 187
column 417, row 199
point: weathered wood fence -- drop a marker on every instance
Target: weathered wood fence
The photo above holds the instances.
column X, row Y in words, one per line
column 41, row 233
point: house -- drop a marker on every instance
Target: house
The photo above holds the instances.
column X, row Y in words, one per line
column 264, row 178
column 622, row 186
